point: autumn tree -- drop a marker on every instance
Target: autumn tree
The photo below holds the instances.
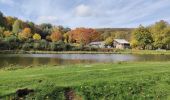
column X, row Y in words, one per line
column 56, row 36
column 161, row 34
column 109, row 41
column 10, row 21
column 83, row 35
column 7, row 33
column 142, row 37
column 25, row 34
column 36, row 36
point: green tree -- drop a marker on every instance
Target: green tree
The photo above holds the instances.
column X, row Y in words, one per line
column 2, row 20
column 120, row 35
column 16, row 28
column 10, row 21
column 142, row 36
column 109, row 41
column 43, row 44
column 46, row 29
column 161, row 34
column 1, row 31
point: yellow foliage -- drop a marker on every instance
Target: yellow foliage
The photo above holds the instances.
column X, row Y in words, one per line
column 134, row 43
column 25, row 34
column 36, row 36
column 109, row 41
column 7, row 33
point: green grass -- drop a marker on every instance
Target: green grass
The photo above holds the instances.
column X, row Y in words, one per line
column 137, row 80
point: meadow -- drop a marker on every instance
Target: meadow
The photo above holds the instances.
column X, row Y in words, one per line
column 101, row 81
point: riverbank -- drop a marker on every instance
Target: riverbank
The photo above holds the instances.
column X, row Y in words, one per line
column 122, row 80
column 114, row 51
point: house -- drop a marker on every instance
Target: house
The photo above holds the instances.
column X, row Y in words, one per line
column 99, row 44
column 121, row 44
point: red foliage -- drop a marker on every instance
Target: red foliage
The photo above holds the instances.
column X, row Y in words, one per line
column 83, row 35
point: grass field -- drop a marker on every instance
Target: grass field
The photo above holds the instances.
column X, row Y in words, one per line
column 120, row 81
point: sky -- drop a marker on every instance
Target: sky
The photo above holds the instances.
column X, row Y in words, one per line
column 89, row 13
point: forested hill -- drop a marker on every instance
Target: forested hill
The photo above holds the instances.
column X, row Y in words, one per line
column 114, row 29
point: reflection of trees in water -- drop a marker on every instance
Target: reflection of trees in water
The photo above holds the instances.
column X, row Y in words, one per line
column 153, row 57
column 24, row 61
column 65, row 59
column 35, row 61
column 54, row 61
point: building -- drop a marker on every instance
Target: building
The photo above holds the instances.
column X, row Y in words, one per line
column 121, row 44
column 99, row 44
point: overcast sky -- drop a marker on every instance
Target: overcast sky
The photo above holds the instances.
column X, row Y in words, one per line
column 89, row 13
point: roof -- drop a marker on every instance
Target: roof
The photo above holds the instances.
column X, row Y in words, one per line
column 122, row 41
column 95, row 43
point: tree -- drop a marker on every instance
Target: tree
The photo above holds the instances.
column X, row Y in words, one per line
column 161, row 34
column 109, row 41
column 37, row 46
column 16, row 28
column 105, row 35
column 2, row 20
column 120, row 35
column 12, row 41
column 7, row 33
column 26, row 46
column 25, row 34
column 36, row 36
column 56, row 36
column 83, row 35
column 43, row 44
column 1, row 31
column 10, row 21
column 143, row 37
column 66, row 37
column 46, row 29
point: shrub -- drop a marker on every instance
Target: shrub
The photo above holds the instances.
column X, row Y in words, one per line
column 26, row 46
column 37, row 46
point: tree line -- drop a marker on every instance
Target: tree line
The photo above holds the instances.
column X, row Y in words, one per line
column 16, row 34
column 156, row 36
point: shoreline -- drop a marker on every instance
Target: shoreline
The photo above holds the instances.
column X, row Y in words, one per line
column 153, row 52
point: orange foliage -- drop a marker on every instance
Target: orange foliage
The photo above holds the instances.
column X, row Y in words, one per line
column 7, row 33
column 83, row 35
column 56, row 36
column 25, row 34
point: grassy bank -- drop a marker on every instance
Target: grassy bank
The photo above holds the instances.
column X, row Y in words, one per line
column 113, row 51
column 140, row 80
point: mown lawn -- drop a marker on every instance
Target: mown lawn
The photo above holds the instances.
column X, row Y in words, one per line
column 122, row 80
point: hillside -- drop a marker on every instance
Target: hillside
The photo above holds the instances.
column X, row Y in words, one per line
column 114, row 29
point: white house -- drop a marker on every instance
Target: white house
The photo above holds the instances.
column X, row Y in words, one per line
column 99, row 44
column 121, row 44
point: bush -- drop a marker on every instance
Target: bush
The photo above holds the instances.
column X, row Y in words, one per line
column 57, row 46
column 43, row 44
column 26, row 46
column 37, row 46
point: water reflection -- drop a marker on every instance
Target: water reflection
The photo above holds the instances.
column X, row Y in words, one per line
column 60, row 59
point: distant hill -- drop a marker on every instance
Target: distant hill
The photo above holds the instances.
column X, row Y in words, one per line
column 101, row 30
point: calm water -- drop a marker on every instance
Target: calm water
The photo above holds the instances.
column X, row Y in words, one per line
column 60, row 59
